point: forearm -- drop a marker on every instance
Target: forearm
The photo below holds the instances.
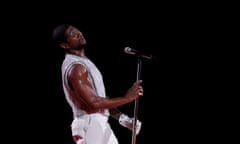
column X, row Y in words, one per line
column 106, row 103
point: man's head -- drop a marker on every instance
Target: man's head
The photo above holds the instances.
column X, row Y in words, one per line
column 69, row 37
column 58, row 34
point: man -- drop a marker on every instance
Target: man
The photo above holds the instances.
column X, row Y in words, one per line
column 85, row 92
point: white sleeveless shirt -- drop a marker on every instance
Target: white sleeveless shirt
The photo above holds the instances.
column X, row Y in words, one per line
column 94, row 76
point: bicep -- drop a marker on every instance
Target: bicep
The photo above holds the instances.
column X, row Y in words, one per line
column 79, row 81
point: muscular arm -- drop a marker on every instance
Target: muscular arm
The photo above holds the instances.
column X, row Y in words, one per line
column 85, row 94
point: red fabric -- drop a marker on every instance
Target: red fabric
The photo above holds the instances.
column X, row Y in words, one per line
column 76, row 137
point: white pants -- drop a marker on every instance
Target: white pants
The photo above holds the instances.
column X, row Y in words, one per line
column 94, row 129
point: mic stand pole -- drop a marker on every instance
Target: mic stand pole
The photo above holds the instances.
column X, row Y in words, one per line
column 136, row 104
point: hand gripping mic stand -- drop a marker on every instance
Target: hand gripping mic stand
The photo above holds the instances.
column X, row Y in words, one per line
column 136, row 102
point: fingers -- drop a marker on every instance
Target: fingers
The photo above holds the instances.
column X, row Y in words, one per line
column 138, row 87
column 136, row 90
column 140, row 91
column 137, row 83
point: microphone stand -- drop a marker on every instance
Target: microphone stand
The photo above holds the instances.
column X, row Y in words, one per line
column 136, row 102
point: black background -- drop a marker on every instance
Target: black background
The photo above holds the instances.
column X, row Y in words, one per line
column 179, row 85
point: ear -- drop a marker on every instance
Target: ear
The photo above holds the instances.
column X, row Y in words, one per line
column 64, row 45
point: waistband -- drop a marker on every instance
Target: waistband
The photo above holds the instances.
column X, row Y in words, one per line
column 103, row 112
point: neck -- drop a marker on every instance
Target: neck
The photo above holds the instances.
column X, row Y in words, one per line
column 80, row 53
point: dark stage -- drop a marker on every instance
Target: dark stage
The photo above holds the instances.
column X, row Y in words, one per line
column 175, row 105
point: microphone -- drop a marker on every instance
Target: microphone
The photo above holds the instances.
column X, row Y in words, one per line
column 129, row 50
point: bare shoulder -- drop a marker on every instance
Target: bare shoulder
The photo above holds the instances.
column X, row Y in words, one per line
column 77, row 70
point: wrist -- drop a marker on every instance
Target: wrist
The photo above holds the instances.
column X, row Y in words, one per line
column 123, row 119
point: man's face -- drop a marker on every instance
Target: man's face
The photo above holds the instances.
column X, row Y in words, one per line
column 75, row 38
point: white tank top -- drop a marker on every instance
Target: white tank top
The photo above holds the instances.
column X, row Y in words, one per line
column 94, row 76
